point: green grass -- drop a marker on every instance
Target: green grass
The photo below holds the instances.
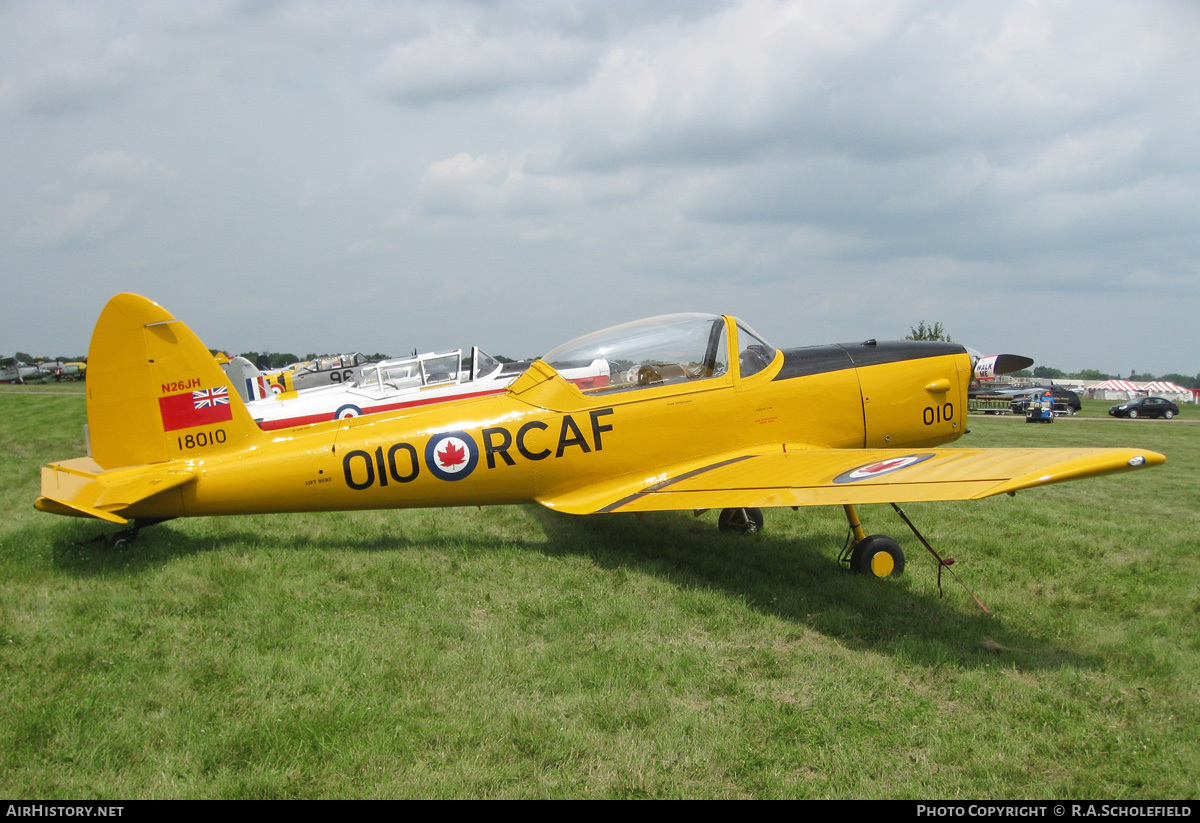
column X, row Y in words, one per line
column 516, row 652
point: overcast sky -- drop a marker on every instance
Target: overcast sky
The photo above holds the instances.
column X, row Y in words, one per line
column 379, row 176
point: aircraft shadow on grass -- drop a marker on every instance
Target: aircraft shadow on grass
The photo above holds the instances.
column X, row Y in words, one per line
column 798, row 580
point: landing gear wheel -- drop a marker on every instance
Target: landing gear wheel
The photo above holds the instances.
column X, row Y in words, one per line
column 126, row 536
column 121, row 539
column 746, row 521
column 877, row 555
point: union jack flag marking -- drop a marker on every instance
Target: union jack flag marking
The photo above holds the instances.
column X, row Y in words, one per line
column 211, row 397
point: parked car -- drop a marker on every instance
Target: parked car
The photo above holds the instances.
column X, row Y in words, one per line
column 1064, row 399
column 1145, row 407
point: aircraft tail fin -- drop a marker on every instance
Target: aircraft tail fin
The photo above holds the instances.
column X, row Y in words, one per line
column 155, row 393
column 248, row 379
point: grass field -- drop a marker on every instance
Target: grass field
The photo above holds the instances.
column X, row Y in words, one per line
column 516, row 652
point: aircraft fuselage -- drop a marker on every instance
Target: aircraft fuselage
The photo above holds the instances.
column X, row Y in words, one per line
column 544, row 435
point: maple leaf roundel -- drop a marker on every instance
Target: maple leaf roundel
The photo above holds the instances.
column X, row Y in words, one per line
column 451, row 455
column 882, row 467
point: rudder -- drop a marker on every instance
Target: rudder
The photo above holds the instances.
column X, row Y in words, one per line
column 154, row 392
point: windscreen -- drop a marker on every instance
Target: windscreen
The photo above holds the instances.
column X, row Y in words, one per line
column 660, row 350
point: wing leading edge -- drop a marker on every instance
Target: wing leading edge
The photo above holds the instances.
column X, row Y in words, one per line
column 798, row 476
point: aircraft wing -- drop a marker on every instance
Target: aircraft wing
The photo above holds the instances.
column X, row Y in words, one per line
column 799, row 476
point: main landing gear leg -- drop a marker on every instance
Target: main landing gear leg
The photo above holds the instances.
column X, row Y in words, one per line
column 877, row 555
column 855, row 525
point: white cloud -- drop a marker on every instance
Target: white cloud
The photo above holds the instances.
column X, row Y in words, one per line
column 110, row 190
column 468, row 184
column 123, row 168
column 791, row 157
column 80, row 217
column 461, row 63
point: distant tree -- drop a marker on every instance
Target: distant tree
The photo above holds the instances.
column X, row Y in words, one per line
column 1048, row 372
column 25, row 357
column 928, row 332
column 1022, row 373
column 1141, row 378
column 1091, row 374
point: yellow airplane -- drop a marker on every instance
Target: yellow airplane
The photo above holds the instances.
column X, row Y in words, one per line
column 698, row 412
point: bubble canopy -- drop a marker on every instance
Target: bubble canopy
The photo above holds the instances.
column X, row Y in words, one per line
column 671, row 348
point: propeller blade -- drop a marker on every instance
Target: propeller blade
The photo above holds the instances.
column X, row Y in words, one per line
column 992, row 365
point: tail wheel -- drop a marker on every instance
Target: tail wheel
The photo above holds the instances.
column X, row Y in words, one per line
column 122, row 539
column 877, row 555
column 746, row 521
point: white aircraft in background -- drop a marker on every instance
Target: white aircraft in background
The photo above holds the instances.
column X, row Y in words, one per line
column 388, row 386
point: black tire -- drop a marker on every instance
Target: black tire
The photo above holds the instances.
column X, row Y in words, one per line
column 120, row 540
column 877, row 555
column 1133, row 414
column 1168, row 414
column 743, row 521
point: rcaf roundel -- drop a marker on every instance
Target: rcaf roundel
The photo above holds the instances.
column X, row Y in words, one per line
column 882, row 467
column 451, row 455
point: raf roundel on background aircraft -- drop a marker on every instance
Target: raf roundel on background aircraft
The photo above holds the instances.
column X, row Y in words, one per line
column 697, row 412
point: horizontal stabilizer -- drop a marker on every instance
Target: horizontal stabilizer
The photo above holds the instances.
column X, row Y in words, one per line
column 81, row 488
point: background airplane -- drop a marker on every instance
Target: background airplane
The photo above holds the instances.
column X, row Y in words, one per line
column 59, row 370
column 320, row 371
column 389, row 386
column 13, row 371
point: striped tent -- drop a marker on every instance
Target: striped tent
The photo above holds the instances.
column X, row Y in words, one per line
column 1162, row 387
column 1125, row 390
